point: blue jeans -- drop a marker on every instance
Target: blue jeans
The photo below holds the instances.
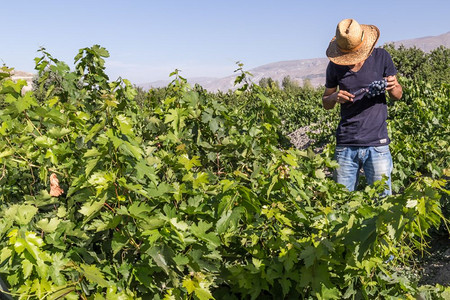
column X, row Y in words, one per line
column 375, row 161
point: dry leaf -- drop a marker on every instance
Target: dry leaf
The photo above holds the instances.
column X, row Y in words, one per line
column 55, row 189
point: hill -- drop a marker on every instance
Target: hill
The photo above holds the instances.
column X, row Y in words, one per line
column 300, row 70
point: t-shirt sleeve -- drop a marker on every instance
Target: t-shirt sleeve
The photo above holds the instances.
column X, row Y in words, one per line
column 331, row 78
column 389, row 68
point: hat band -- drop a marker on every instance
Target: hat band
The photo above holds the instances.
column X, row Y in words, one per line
column 354, row 48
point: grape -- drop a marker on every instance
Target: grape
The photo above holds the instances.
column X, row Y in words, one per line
column 376, row 88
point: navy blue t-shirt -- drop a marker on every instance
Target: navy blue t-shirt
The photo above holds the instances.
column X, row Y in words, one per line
column 363, row 121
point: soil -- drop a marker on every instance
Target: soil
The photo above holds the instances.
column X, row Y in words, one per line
column 435, row 266
column 300, row 139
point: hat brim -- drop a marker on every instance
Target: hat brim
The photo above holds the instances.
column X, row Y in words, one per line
column 339, row 57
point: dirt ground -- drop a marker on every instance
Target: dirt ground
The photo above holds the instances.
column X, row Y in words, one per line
column 435, row 267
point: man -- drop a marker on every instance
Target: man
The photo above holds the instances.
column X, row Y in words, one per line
column 362, row 137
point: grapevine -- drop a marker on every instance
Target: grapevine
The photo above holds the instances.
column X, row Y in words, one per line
column 189, row 194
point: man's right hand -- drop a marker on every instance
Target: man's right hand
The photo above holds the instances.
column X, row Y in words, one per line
column 344, row 97
column 331, row 96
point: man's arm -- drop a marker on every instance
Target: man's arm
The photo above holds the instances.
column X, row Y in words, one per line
column 331, row 96
column 394, row 88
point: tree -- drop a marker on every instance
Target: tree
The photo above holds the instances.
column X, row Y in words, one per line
column 288, row 84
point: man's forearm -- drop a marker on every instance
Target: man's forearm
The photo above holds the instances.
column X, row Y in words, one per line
column 329, row 101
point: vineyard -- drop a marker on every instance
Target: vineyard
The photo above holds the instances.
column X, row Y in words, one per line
column 110, row 192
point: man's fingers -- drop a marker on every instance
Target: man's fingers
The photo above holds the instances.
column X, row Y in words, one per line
column 391, row 83
column 344, row 96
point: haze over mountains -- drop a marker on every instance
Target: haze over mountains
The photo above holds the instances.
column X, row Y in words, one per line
column 312, row 70
column 300, row 70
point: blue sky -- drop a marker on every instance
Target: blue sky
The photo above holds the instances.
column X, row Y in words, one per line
column 147, row 40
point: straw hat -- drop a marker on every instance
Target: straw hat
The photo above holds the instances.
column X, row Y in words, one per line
column 353, row 42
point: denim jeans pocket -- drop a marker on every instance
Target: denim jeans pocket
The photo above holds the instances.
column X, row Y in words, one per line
column 382, row 149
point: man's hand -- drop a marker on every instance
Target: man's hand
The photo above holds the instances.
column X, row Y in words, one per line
column 394, row 89
column 331, row 96
column 344, row 97
column 391, row 82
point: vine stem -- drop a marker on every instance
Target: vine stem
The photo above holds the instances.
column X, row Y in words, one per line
column 28, row 118
column 3, row 171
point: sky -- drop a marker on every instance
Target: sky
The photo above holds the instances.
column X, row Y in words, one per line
column 147, row 40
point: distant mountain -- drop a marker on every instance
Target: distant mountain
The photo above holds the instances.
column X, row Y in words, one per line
column 427, row 43
column 300, row 70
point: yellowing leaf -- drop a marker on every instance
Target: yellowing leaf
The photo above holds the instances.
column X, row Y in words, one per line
column 27, row 268
column 290, row 160
column 319, row 174
column 5, row 254
column 190, row 285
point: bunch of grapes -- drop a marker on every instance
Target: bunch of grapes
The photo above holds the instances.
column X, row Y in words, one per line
column 376, row 88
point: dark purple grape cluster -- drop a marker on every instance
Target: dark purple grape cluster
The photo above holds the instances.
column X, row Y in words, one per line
column 376, row 88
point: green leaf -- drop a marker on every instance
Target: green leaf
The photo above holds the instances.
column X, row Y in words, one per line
column 329, row 293
column 200, row 179
column 189, row 163
column 4, row 75
column 159, row 258
column 59, row 294
column 143, row 169
column 203, row 293
column 118, row 242
column 285, row 285
column 229, row 220
column 92, row 152
column 48, row 226
column 45, row 142
column 308, row 255
column 58, row 132
column 136, row 151
column 100, row 51
column 90, row 165
column 25, row 102
column 181, row 260
column 94, row 275
column 95, row 129
column 91, row 208
column 22, row 214
column 199, row 231
column 125, row 125
column 139, row 210
column 6, row 153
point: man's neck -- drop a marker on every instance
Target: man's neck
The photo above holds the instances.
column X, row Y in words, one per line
column 356, row 67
